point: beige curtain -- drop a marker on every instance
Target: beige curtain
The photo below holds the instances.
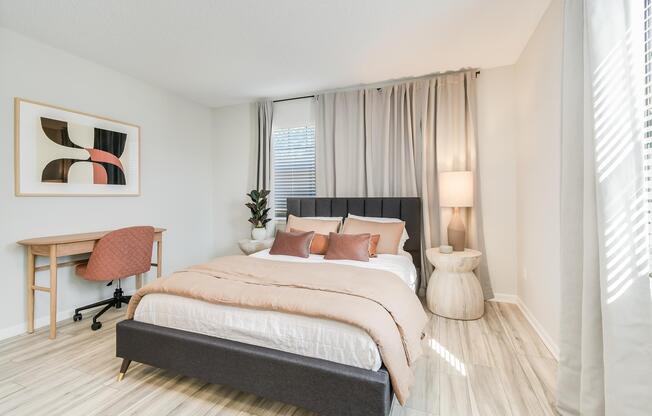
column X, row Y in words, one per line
column 340, row 145
column 392, row 141
column 264, row 157
column 605, row 363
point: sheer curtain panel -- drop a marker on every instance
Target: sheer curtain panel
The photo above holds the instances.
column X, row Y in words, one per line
column 606, row 319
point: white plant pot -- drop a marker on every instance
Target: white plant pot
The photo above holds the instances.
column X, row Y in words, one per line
column 258, row 234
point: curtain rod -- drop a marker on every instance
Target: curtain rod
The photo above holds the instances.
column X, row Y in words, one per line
column 293, row 98
column 370, row 85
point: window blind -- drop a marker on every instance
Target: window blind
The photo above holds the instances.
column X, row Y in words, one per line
column 293, row 165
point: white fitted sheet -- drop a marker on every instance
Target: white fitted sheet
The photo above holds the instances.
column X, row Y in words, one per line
column 304, row 335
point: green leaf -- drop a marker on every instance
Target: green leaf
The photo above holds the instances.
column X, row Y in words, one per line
column 258, row 207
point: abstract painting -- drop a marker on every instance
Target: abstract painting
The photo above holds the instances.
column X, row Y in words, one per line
column 64, row 152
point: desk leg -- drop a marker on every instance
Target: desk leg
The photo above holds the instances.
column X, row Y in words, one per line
column 53, row 291
column 31, row 281
column 139, row 280
column 159, row 258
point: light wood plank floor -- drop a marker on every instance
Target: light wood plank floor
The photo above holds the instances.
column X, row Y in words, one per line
column 493, row 366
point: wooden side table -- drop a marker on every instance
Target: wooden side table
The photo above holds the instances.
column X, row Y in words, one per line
column 248, row 246
column 453, row 289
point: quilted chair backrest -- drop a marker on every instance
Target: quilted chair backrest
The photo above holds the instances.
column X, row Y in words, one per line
column 121, row 253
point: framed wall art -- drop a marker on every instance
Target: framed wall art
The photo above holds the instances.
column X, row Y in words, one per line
column 61, row 152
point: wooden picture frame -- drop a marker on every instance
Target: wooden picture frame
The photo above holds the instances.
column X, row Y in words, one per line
column 63, row 152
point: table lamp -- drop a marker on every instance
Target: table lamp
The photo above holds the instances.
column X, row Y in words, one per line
column 456, row 191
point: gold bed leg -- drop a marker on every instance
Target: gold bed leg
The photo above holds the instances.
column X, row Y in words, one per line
column 123, row 368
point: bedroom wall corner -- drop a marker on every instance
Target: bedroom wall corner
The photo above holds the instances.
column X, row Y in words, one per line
column 538, row 115
column 234, row 147
column 497, row 157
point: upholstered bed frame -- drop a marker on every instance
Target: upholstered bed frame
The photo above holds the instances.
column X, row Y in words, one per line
column 406, row 209
column 325, row 387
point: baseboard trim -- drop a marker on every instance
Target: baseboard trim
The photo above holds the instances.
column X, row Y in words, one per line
column 538, row 328
column 41, row 322
column 543, row 334
column 505, row 298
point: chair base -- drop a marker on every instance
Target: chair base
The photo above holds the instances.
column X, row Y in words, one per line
column 115, row 302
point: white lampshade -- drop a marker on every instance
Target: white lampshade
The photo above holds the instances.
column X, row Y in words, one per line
column 456, row 189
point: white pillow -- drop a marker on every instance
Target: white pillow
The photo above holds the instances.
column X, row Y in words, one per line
column 340, row 219
column 405, row 235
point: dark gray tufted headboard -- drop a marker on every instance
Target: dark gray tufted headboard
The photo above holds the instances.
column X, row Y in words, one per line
column 406, row 208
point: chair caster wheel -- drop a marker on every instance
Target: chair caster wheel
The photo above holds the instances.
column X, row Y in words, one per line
column 77, row 317
column 96, row 325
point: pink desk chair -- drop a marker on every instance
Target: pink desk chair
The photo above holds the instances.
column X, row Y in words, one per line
column 119, row 254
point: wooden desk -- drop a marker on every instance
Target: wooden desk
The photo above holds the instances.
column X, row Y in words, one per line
column 60, row 246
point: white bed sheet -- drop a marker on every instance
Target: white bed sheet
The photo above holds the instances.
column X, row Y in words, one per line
column 401, row 264
column 308, row 336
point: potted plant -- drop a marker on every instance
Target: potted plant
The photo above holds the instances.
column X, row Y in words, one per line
column 259, row 211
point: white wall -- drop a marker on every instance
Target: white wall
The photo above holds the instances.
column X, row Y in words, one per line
column 497, row 158
column 175, row 172
column 538, row 114
column 234, row 157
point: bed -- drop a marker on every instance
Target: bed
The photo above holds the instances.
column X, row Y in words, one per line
column 319, row 364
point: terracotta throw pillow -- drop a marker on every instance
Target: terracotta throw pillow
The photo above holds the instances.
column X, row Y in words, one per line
column 310, row 224
column 319, row 243
column 373, row 245
column 390, row 233
column 348, row 247
column 292, row 244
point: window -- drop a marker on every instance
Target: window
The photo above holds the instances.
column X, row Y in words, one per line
column 293, row 164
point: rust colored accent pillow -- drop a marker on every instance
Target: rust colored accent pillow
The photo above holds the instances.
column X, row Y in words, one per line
column 319, row 243
column 348, row 247
column 292, row 244
column 310, row 224
column 390, row 233
column 373, row 245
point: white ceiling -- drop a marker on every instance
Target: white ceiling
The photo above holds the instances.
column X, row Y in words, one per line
column 220, row 52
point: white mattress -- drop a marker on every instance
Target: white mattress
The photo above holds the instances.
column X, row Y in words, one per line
column 308, row 336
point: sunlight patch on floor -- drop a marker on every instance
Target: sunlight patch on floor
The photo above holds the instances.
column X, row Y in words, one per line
column 450, row 358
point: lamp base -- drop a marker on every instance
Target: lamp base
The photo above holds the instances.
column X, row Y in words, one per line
column 456, row 231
